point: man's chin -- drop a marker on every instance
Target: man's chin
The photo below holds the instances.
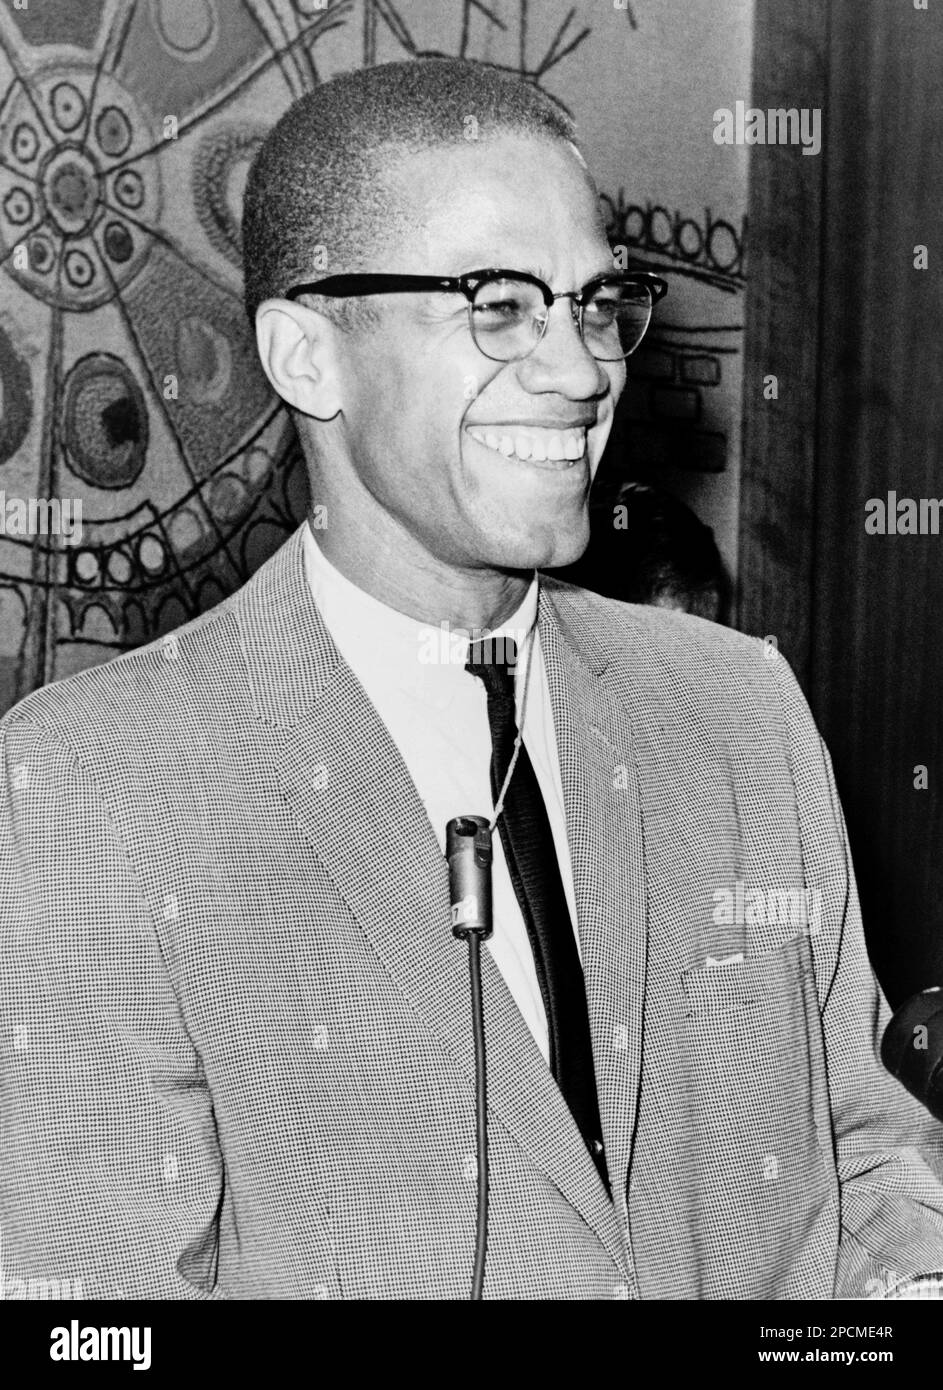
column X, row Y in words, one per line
column 547, row 551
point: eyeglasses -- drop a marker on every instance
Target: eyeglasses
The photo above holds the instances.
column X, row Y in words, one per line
column 508, row 310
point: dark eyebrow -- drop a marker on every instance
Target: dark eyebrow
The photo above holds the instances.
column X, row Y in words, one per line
column 541, row 274
column 468, row 265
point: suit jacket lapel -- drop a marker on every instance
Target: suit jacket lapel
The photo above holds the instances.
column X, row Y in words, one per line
column 605, row 825
column 350, row 792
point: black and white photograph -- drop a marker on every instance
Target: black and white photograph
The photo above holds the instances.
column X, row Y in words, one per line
column 471, row 736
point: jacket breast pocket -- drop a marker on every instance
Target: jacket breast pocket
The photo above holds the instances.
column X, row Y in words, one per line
column 735, row 983
column 756, row 1021
column 757, row 1116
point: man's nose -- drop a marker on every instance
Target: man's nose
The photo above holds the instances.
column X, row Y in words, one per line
column 561, row 362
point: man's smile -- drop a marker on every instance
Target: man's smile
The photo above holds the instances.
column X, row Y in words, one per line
column 558, row 448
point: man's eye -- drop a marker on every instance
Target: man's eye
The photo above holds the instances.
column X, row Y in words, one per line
column 603, row 310
column 506, row 310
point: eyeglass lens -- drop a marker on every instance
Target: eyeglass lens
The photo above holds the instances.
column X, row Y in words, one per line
column 508, row 318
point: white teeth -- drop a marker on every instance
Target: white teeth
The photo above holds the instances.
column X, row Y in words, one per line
column 537, row 444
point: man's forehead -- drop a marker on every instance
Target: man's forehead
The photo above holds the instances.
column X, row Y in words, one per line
column 507, row 197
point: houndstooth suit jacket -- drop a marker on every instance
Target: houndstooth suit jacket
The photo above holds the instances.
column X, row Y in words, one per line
column 236, row 1037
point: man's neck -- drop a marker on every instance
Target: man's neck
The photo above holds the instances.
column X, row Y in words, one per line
column 414, row 582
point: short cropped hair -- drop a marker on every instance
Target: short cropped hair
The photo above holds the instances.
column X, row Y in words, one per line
column 317, row 179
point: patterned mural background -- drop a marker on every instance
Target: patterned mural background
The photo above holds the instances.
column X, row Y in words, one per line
column 128, row 377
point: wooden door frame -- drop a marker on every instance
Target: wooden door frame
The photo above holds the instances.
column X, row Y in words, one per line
column 776, row 567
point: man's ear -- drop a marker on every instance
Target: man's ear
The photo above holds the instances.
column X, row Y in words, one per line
column 298, row 348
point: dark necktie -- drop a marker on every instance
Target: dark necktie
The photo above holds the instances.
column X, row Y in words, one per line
column 535, row 873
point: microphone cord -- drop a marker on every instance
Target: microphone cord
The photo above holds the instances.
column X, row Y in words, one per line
column 519, row 739
column 481, row 1116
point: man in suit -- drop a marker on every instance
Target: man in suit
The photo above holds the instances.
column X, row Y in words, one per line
column 237, row 1055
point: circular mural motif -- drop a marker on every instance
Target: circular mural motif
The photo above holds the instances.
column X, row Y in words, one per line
column 104, row 422
column 68, row 188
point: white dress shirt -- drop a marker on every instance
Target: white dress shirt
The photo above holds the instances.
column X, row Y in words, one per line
column 437, row 716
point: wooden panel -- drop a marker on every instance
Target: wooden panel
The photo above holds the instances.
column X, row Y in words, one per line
column 877, row 653
column 778, row 466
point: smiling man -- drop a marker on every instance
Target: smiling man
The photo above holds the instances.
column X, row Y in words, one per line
column 238, row 1054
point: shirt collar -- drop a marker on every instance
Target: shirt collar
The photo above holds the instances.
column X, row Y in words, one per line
column 371, row 635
